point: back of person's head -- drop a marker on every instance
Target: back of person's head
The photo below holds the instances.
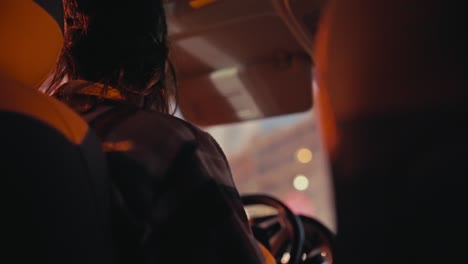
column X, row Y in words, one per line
column 118, row 43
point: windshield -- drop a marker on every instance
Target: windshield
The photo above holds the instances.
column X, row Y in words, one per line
column 282, row 157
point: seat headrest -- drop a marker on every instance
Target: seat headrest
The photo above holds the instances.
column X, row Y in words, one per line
column 30, row 39
column 374, row 64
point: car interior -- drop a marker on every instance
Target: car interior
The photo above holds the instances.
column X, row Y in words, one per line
column 245, row 70
column 54, row 209
column 249, row 74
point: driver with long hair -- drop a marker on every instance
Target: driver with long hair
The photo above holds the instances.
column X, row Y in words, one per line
column 174, row 197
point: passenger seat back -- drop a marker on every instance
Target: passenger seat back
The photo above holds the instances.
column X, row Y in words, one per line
column 55, row 190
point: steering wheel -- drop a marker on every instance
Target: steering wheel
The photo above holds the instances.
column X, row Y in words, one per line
column 281, row 233
column 319, row 241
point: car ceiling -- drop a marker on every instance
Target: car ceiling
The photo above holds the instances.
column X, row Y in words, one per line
column 240, row 60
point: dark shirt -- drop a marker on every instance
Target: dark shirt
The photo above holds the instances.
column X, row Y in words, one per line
column 174, row 197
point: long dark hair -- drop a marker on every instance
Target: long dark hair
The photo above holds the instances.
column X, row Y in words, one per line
column 121, row 44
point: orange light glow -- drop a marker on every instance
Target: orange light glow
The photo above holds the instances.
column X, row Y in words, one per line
column 326, row 116
column 304, row 155
column 200, row 3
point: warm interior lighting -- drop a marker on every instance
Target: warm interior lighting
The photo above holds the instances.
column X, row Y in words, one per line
column 200, row 3
column 304, row 155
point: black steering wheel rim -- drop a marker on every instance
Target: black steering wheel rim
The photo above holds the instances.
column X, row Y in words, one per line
column 297, row 236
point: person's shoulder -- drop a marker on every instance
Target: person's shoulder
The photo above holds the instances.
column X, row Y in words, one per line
column 147, row 125
column 183, row 131
column 207, row 150
column 169, row 138
column 169, row 125
column 203, row 137
column 158, row 129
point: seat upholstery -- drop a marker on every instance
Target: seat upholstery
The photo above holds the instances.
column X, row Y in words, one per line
column 393, row 100
column 55, row 190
